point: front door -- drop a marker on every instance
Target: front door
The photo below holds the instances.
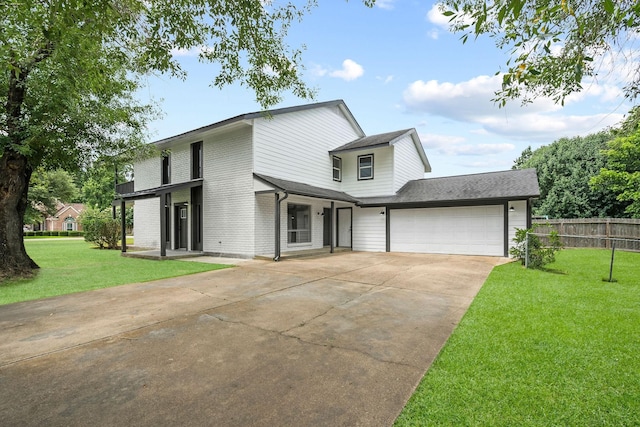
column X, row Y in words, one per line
column 181, row 227
column 344, row 227
column 326, row 227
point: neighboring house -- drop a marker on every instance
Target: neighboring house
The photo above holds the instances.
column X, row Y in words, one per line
column 263, row 184
column 65, row 218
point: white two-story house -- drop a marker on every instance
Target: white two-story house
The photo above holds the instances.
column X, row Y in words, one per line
column 308, row 177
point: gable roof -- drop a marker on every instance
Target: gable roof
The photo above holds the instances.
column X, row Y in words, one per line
column 301, row 189
column 385, row 140
column 505, row 185
column 246, row 118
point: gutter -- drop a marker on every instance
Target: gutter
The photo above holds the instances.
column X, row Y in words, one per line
column 277, row 225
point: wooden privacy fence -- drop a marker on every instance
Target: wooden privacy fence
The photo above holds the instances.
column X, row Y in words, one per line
column 593, row 232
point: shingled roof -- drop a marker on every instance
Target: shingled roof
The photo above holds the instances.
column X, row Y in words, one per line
column 301, row 189
column 506, row 185
column 380, row 140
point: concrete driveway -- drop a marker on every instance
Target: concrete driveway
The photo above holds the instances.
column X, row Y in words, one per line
column 337, row 340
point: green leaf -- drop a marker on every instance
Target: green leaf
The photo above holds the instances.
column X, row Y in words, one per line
column 609, row 7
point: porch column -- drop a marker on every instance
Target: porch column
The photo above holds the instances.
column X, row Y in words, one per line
column 163, row 225
column 331, row 227
column 276, row 255
column 123, row 223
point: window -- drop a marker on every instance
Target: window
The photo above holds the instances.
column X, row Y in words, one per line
column 70, row 223
column 298, row 223
column 337, row 168
column 196, row 160
column 166, row 167
column 365, row 167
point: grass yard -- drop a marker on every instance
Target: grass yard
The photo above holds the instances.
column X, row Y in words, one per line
column 68, row 266
column 559, row 347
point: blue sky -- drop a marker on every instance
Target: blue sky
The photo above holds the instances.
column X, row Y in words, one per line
column 396, row 66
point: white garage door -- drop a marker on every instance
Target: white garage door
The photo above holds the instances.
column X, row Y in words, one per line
column 477, row 230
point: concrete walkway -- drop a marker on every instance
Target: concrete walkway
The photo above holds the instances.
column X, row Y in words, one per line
column 335, row 341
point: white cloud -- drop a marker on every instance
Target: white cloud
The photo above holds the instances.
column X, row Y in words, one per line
column 385, row 80
column 456, row 145
column 543, row 121
column 351, row 70
column 385, row 4
column 318, row 70
column 436, row 17
column 433, row 34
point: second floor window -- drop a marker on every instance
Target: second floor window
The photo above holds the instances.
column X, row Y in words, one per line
column 196, row 160
column 365, row 167
column 166, row 167
column 337, row 168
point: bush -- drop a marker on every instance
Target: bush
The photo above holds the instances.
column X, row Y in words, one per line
column 75, row 233
column 63, row 233
column 54, row 233
column 46, row 233
column 37, row 233
column 100, row 228
column 531, row 246
column 29, row 233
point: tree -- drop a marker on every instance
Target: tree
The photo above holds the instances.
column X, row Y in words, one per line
column 70, row 70
column 46, row 190
column 98, row 189
column 564, row 169
column 621, row 175
column 100, row 227
column 554, row 45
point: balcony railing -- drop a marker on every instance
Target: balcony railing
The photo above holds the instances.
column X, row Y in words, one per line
column 124, row 188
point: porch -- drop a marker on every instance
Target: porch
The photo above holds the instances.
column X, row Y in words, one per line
column 154, row 254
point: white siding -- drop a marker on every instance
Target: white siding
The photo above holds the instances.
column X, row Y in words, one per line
column 265, row 224
column 369, row 230
column 407, row 164
column 517, row 219
column 228, row 198
column 181, row 163
column 382, row 182
column 146, row 220
column 146, row 173
column 296, row 146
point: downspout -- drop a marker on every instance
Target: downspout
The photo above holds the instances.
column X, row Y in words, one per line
column 276, row 256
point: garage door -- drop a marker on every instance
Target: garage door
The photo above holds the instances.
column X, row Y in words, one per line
column 477, row 230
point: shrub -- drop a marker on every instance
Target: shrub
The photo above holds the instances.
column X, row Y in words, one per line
column 100, row 228
column 46, row 233
column 29, row 233
column 531, row 246
column 54, row 233
column 37, row 233
column 63, row 233
column 75, row 233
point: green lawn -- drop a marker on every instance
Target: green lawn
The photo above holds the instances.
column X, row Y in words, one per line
column 68, row 266
column 559, row 347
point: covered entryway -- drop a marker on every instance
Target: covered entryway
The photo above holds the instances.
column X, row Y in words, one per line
column 465, row 230
column 182, row 227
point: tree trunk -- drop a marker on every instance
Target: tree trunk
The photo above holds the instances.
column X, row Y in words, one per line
column 15, row 174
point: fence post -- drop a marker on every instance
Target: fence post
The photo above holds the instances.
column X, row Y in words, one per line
column 526, row 251
column 613, row 251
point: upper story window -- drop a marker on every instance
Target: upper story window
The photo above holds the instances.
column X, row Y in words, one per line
column 337, row 168
column 196, row 160
column 365, row 167
column 166, row 167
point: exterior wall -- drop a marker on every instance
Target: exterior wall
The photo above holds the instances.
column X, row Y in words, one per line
column 382, row 182
column 265, row 223
column 407, row 164
column 317, row 235
column 228, row 195
column 146, row 220
column 147, row 173
column 59, row 222
column 369, row 230
column 296, row 146
column 181, row 162
column 517, row 219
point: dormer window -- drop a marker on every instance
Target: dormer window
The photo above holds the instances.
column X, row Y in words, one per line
column 337, row 168
column 365, row 167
